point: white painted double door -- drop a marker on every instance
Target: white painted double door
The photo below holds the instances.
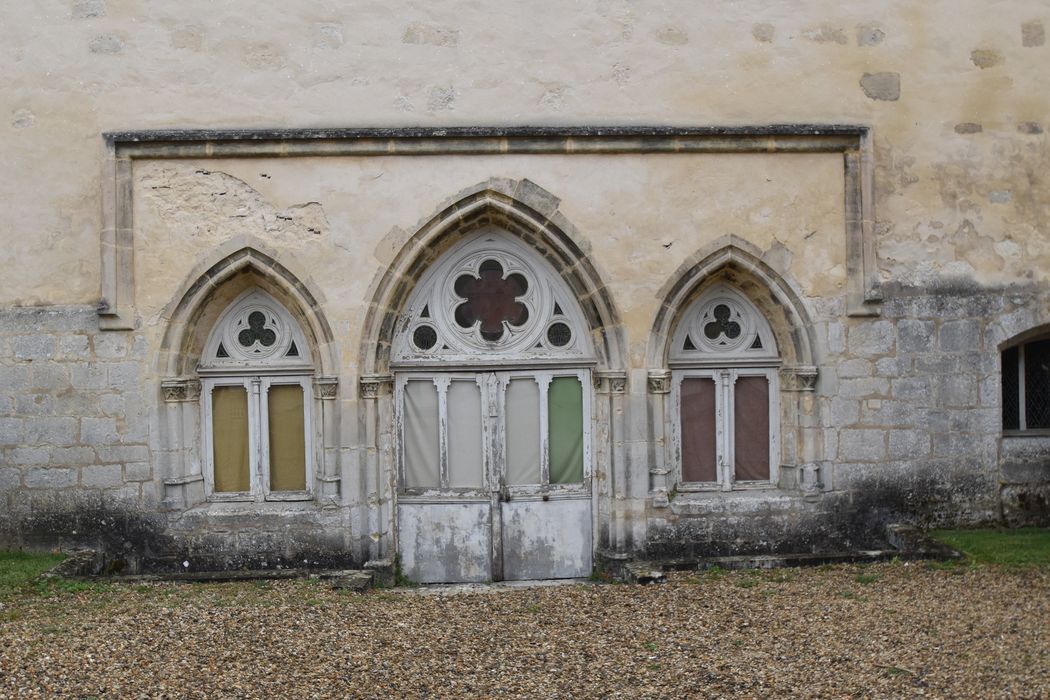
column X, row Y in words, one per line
column 494, row 475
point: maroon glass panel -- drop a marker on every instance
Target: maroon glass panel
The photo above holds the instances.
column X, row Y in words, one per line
column 491, row 299
column 751, row 417
column 698, row 429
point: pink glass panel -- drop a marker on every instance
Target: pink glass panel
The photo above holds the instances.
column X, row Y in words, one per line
column 751, row 416
column 698, row 429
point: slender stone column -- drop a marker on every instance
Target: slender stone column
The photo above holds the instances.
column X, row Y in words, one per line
column 182, row 479
column 377, row 467
column 326, row 391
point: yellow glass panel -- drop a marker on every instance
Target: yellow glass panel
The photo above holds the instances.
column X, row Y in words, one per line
column 229, row 410
column 287, row 438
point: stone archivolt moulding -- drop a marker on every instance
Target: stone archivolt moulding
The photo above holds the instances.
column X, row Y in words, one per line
column 116, row 305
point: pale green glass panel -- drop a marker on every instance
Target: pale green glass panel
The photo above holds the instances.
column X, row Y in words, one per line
column 421, row 448
column 523, row 431
column 230, row 451
column 465, row 462
column 287, row 437
column 565, row 430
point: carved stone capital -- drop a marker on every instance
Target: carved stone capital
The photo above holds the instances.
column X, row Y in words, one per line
column 326, row 387
column 799, row 378
column 659, row 381
column 180, row 389
column 610, row 382
column 375, row 385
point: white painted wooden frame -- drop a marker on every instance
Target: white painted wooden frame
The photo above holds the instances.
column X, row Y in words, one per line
column 544, row 378
column 725, row 429
column 306, row 383
column 493, row 388
column 257, row 388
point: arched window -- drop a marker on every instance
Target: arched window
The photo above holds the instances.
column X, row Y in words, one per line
column 257, row 401
column 1026, row 386
column 724, row 364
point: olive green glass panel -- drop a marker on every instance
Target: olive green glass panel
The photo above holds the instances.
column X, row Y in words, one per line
column 229, row 410
column 287, row 437
column 565, row 430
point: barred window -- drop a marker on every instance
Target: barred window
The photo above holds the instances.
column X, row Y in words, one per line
column 1026, row 386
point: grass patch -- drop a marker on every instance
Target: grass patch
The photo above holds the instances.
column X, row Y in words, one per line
column 1029, row 546
column 19, row 568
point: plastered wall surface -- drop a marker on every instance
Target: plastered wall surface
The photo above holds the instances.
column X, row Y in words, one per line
column 958, row 105
column 905, row 417
column 340, row 219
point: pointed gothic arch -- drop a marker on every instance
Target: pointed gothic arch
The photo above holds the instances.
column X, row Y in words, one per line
column 523, row 210
column 738, row 264
column 213, row 284
column 727, row 268
column 242, row 274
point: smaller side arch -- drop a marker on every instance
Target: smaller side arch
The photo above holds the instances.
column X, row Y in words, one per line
column 192, row 310
column 738, row 263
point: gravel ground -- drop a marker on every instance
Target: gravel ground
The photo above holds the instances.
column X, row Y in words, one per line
column 887, row 630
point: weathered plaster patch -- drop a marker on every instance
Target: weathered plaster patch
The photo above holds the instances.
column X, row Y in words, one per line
column 763, row 32
column 441, row 97
column 825, row 34
column 974, row 247
column 1009, row 249
column 1031, row 128
column 881, row 86
column 328, row 35
column 1033, row 34
column 264, row 56
column 968, row 128
column 869, row 35
column 86, row 9
column 108, row 44
column 22, row 118
column 187, row 36
column 431, row 34
column 986, row 58
column 206, row 204
column 672, row 36
column 897, row 173
column 553, row 99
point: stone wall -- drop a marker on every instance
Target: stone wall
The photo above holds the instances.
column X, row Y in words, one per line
column 947, row 104
column 72, row 406
column 79, row 467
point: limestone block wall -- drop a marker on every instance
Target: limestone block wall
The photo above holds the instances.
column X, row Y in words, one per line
column 902, row 419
